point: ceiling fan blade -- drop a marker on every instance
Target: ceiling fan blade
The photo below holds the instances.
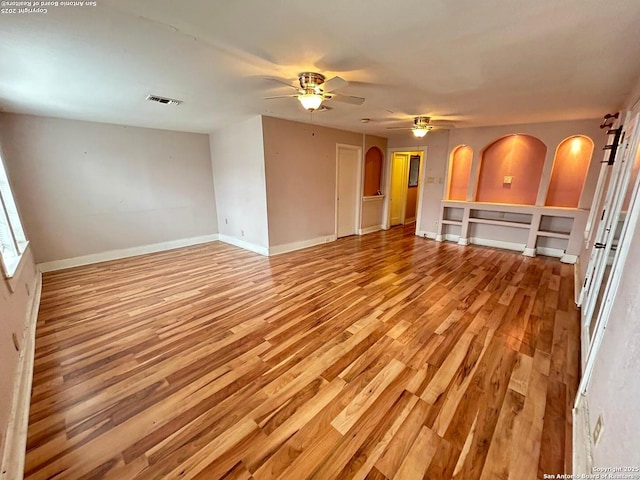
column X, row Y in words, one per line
column 282, row 82
column 280, row 96
column 346, row 99
column 399, row 128
column 442, row 123
column 335, row 83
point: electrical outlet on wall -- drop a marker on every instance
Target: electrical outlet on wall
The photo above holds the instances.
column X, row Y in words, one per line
column 242, row 232
column 226, row 221
column 597, row 430
column 508, row 180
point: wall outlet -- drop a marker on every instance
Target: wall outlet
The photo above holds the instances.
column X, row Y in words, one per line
column 597, row 431
column 242, row 233
column 508, row 180
column 226, row 221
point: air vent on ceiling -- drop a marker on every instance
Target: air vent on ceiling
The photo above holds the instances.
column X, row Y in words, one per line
column 163, row 100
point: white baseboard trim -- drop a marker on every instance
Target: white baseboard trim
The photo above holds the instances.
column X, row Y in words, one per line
column 571, row 259
column 439, row 238
column 488, row 242
column 425, row 234
column 312, row 242
column 451, row 237
column 550, row 252
column 13, row 457
column 577, row 282
column 242, row 244
column 463, row 241
column 124, row 253
column 582, row 461
column 371, row 229
column 529, row 252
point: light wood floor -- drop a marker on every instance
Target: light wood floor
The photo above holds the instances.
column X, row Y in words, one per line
column 383, row 356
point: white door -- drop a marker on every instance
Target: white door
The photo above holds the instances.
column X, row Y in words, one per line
column 347, row 201
column 620, row 179
column 398, row 188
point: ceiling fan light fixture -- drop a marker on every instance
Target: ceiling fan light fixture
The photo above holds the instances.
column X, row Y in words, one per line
column 311, row 101
column 420, row 132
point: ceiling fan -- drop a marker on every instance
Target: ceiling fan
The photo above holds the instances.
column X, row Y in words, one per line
column 423, row 125
column 314, row 89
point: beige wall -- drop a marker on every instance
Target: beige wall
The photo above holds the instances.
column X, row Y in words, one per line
column 551, row 134
column 86, row 188
column 16, row 297
column 614, row 389
column 300, row 164
column 372, row 210
column 239, row 178
column 437, row 144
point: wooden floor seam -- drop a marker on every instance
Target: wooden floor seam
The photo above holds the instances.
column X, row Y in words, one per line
column 384, row 356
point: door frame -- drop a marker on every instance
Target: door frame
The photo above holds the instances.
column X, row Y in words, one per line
column 605, row 229
column 359, row 173
column 405, row 174
column 386, row 209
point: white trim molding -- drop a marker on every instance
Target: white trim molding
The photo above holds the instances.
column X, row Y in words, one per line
column 553, row 252
column 124, row 253
column 582, row 461
column 488, row 242
column 245, row 245
column 425, row 234
column 15, row 441
column 570, row 259
column 371, row 229
column 291, row 247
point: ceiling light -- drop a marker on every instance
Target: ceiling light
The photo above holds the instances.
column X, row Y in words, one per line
column 310, row 101
column 420, row 132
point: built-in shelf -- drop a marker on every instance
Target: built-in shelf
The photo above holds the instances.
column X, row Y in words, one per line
column 502, row 223
column 530, row 229
column 373, row 198
column 553, row 234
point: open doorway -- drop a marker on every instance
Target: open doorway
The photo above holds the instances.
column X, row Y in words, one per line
column 404, row 187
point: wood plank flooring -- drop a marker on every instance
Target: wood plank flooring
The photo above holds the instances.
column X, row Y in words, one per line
column 386, row 356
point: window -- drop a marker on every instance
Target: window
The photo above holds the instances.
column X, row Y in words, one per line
column 12, row 239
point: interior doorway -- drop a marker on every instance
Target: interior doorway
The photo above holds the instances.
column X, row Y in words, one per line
column 404, row 191
column 348, row 173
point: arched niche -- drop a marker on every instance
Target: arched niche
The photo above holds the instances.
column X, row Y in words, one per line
column 570, row 167
column 461, row 159
column 511, row 169
column 372, row 172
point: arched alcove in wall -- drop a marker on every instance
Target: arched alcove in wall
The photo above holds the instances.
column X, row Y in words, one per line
column 511, row 169
column 570, row 167
column 372, row 172
column 461, row 158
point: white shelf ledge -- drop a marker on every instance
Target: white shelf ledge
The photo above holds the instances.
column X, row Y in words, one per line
column 501, row 223
column 542, row 233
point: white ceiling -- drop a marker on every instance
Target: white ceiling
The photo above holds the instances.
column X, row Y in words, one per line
column 478, row 62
